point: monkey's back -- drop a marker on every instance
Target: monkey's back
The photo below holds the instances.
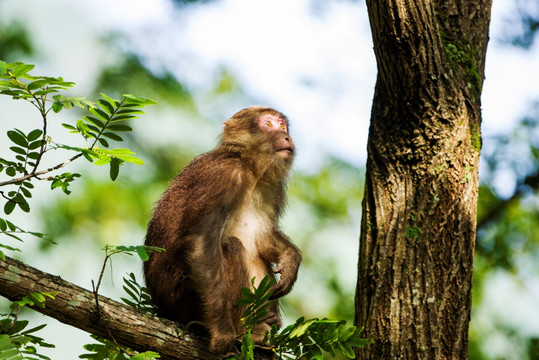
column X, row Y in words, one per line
column 194, row 203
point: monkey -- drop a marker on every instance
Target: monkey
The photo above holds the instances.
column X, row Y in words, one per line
column 219, row 225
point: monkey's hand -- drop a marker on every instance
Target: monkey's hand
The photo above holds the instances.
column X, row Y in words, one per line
column 288, row 268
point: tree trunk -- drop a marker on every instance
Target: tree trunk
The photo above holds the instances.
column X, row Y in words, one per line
column 419, row 210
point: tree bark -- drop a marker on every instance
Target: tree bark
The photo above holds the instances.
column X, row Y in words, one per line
column 76, row 306
column 419, row 210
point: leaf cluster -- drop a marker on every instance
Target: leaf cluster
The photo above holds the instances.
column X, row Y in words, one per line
column 108, row 350
column 16, row 343
column 140, row 298
column 142, row 251
column 310, row 339
column 106, row 120
column 305, row 339
column 24, row 147
column 11, row 230
column 256, row 301
column 16, row 82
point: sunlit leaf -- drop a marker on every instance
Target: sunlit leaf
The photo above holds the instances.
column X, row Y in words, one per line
column 105, row 105
column 21, row 70
column 57, row 106
column 37, row 84
column 99, row 113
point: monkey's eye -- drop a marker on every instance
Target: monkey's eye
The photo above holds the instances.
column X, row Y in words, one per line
column 281, row 125
column 269, row 123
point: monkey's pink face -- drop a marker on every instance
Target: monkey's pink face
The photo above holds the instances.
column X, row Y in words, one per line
column 277, row 128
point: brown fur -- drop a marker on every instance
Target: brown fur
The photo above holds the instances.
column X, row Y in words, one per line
column 218, row 222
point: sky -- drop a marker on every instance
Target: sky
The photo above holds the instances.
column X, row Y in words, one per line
column 312, row 60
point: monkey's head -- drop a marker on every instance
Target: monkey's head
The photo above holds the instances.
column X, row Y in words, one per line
column 260, row 130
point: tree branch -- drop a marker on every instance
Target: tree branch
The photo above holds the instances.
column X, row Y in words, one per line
column 75, row 306
column 42, row 172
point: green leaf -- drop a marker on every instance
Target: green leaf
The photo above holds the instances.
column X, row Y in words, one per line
column 110, row 100
column 57, row 107
column 142, row 253
column 56, row 183
column 103, row 142
column 33, row 155
column 17, row 138
column 70, row 127
column 129, row 111
column 97, row 122
column 26, row 192
column 18, row 150
column 116, row 127
column 34, row 145
column 37, row 84
column 9, row 207
column 132, row 98
column 114, row 168
column 34, row 135
column 28, row 184
column 112, row 136
column 105, row 105
column 23, row 204
column 130, row 292
column 21, row 70
column 99, row 113
column 123, row 117
column 103, row 160
column 3, row 67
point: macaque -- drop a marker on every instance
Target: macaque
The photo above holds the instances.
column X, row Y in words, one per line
column 219, row 224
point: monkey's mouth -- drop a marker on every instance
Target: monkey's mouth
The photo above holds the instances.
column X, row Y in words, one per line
column 285, row 152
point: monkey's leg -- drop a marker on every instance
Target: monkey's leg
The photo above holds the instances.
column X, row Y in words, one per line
column 236, row 277
column 219, row 273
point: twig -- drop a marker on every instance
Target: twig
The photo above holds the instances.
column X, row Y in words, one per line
column 42, row 172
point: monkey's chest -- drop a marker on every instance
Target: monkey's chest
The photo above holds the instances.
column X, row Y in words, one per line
column 248, row 225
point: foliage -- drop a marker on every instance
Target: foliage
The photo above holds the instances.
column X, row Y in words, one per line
column 256, row 302
column 140, row 298
column 310, row 338
column 111, row 350
column 142, row 251
column 105, row 121
column 108, row 350
column 11, row 230
column 305, row 339
column 17, row 343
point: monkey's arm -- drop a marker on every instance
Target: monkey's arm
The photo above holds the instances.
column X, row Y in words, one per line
column 287, row 257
